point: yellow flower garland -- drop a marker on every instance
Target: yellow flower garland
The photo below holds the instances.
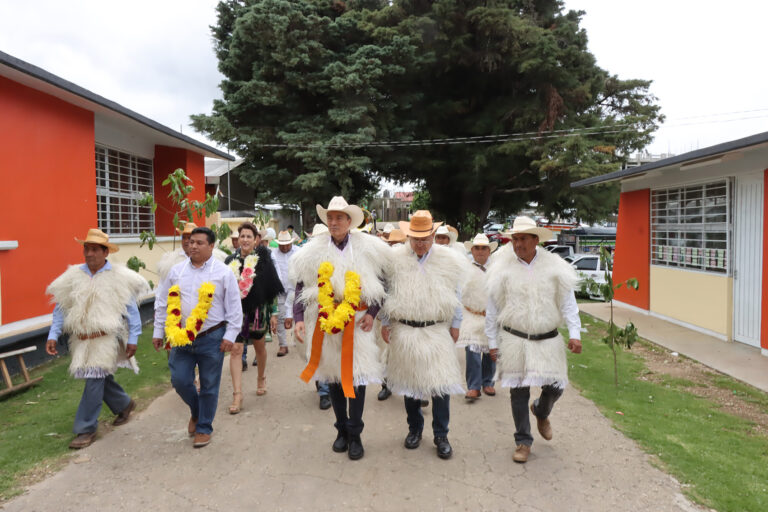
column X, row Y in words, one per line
column 333, row 318
column 177, row 336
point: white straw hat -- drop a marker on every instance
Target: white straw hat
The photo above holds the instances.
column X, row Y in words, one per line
column 284, row 238
column 339, row 204
column 318, row 229
column 481, row 240
column 527, row 226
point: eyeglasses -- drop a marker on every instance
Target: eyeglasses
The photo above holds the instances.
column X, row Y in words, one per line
column 421, row 240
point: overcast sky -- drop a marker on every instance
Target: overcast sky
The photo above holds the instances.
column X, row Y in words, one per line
column 706, row 59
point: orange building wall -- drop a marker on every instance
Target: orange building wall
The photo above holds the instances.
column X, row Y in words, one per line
column 48, row 172
column 167, row 160
column 764, row 304
column 633, row 241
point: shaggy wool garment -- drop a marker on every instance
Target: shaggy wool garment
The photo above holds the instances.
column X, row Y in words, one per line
column 422, row 361
column 97, row 304
column 528, row 300
column 474, row 297
column 365, row 255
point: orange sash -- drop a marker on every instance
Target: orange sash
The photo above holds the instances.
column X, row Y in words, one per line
column 347, row 354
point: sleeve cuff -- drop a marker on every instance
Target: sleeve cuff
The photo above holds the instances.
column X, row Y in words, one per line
column 574, row 333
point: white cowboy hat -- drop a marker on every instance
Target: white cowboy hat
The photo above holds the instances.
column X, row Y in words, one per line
column 527, row 226
column 481, row 240
column 268, row 234
column 388, row 227
column 339, row 204
column 284, row 238
column 318, row 229
column 448, row 231
column 97, row 236
column 420, row 225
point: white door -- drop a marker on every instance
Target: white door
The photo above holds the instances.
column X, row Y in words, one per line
column 747, row 258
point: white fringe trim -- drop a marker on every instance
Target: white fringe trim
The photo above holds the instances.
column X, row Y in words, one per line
column 91, row 373
column 420, row 395
column 474, row 347
column 519, row 381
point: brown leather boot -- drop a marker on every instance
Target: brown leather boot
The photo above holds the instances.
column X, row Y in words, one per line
column 123, row 417
column 545, row 428
column 82, row 440
column 521, row 453
column 472, row 395
column 201, row 440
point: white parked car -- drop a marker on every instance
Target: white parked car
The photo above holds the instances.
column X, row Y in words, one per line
column 589, row 266
column 561, row 250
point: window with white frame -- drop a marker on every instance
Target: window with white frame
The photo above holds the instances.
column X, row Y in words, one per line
column 121, row 178
column 690, row 226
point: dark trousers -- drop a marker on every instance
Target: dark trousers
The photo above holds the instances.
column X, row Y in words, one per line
column 541, row 406
column 205, row 354
column 95, row 392
column 441, row 414
column 352, row 424
column 480, row 369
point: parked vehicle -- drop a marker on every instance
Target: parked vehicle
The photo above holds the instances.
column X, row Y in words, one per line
column 491, row 229
column 560, row 250
column 500, row 238
column 589, row 266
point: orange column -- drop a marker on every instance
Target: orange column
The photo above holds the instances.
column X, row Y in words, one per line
column 167, row 160
column 764, row 305
column 48, row 172
column 633, row 240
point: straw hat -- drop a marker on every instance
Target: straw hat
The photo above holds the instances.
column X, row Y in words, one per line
column 420, row 226
column 284, row 238
column 339, row 204
column 527, row 226
column 396, row 236
column 448, row 231
column 318, row 229
column 481, row 240
column 188, row 227
column 97, row 236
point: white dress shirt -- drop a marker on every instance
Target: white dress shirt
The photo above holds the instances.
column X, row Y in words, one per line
column 226, row 298
column 568, row 309
column 281, row 260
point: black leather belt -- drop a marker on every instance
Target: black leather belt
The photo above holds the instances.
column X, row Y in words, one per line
column 532, row 337
column 412, row 323
column 211, row 329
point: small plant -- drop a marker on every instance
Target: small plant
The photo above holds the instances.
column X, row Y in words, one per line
column 623, row 337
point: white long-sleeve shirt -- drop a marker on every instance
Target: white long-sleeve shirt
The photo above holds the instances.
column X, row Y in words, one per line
column 568, row 309
column 226, row 298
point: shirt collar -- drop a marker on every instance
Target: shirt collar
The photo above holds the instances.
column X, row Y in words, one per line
column 535, row 255
column 107, row 266
column 423, row 258
column 341, row 245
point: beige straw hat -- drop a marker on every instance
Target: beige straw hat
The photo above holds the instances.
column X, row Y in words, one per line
column 97, row 236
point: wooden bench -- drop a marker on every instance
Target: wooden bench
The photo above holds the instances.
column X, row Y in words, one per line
column 10, row 388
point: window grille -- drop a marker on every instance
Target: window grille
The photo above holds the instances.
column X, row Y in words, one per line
column 690, row 227
column 122, row 178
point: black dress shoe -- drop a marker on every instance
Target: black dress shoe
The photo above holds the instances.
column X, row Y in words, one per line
column 340, row 444
column 444, row 450
column 255, row 362
column 384, row 393
column 356, row 450
column 412, row 440
column 245, row 365
column 325, row 402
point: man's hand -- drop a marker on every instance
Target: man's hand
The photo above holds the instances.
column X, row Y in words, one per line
column 574, row 345
column 157, row 343
column 50, row 348
column 288, row 323
column 298, row 331
column 226, row 346
column 366, row 323
column 454, row 333
column 130, row 351
column 385, row 330
column 273, row 324
column 494, row 354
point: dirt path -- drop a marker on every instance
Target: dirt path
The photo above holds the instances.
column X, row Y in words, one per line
column 276, row 455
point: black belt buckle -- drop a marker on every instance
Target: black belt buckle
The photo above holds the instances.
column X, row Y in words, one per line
column 531, row 337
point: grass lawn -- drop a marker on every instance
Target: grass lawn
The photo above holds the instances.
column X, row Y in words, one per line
column 718, row 457
column 36, row 424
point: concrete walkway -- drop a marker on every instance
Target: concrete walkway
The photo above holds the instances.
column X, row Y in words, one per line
column 738, row 360
column 276, row 455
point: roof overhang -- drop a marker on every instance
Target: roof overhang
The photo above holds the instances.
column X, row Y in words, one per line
column 705, row 157
column 37, row 78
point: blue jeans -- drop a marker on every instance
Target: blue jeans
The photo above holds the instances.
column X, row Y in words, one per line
column 480, row 369
column 205, row 354
column 440, row 415
column 96, row 391
column 322, row 388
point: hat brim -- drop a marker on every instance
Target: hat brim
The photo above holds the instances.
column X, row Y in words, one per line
column 544, row 234
column 355, row 213
column 112, row 247
column 469, row 245
column 284, row 242
column 405, row 227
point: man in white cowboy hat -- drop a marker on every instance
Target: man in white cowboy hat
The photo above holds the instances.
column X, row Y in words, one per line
column 344, row 351
column 449, row 236
column 282, row 255
column 388, row 227
column 480, row 368
column 530, row 295
column 421, row 325
column 96, row 306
